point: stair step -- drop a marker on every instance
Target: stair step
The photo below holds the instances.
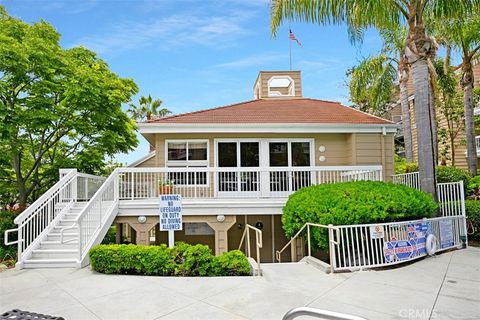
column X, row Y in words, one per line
column 49, row 245
column 52, row 254
column 66, row 236
column 50, row 263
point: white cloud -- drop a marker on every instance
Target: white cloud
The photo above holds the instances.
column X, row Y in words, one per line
column 254, row 60
column 176, row 30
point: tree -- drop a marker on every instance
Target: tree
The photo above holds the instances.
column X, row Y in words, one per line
column 373, row 81
column 450, row 107
column 464, row 35
column 58, row 108
column 148, row 109
column 419, row 47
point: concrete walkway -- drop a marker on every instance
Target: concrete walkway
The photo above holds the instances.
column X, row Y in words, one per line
column 443, row 287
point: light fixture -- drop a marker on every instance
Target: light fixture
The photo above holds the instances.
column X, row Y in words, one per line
column 259, row 225
column 322, row 158
column 322, row 148
column 142, row 219
column 220, row 218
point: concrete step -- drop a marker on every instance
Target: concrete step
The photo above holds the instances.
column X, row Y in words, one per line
column 49, row 245
column 50, row 263
column 68, row 235
column 57, row 229
column 54, row 254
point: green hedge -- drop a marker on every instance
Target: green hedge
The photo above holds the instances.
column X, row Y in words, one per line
column 472, row 208
column 181, row 260
column 452, row 174
column 6, row 222
column 353, row 203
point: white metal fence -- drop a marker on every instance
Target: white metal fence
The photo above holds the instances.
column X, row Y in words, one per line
column 208, row 182
column 383, row 244
column 411, row 179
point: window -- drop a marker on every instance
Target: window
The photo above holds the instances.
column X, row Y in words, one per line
column 289, row 154
column 279, row 86
column 187, row 154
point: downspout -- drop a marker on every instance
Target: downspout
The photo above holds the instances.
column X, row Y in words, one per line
column 384, row 133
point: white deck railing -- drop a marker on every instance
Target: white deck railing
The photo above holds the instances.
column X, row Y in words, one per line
column 142, row 183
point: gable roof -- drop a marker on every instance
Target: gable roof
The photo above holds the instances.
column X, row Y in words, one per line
column 301, row 110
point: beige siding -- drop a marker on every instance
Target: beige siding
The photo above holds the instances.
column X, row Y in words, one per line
column 373, row 149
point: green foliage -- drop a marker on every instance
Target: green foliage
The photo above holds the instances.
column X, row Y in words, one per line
column 147, row 109
column 473, row 190
column 452, row 174
column 231, row 263
column 111, row 236
column 182, row 260
column 472, row 208
column 402, row 166
column 6, row 222
column 58, row 108
column 353, row 203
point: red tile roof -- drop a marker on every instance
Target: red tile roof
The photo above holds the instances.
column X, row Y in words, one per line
column 298, row 110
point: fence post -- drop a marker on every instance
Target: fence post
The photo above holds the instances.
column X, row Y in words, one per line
column 331, row 249
column 308, row 239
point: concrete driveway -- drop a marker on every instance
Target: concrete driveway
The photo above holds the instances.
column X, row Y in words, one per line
column 442, row 287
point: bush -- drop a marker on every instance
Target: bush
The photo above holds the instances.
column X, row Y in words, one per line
column 452, row 174
column 182, row 260
column 231, row 263
column 472, row 208
column 111, row 236
column 473, row 190
column 353, row 203
column 402, row 166
column 6, row 222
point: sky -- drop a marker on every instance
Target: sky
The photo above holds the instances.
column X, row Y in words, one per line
column 199, row 54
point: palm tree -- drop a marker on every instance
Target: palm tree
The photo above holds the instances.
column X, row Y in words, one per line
column 464, row 35
column 147, row 109
column 419, row 47
column 373, row 80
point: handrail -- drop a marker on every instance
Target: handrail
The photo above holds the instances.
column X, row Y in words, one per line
column 318, row 313
column 258, row 243
column 5, row 240
column 44, row 197
column 307, row 225
column 243, row 169
column 95, row 203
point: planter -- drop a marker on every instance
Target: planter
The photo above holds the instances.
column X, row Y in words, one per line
column 165, row 189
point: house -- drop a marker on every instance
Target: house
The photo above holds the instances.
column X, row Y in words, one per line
column 234, row 166
column 394, row 114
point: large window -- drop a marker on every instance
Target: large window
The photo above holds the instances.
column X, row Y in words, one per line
column 187, row 154
column 289, row 154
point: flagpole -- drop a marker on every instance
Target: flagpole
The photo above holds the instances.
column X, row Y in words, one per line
column 290, row 46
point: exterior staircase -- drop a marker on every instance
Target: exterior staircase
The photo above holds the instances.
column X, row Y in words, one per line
column 52, row 251
column 59, row 229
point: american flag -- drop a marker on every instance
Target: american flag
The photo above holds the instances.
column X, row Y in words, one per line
column 292, row 37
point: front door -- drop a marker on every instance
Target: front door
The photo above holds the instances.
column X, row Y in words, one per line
column 239, row 162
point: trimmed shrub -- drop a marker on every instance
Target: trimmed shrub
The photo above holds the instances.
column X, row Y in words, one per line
column 452, row 174
column 353, row 203
column 182, row 260
column 473, row 190
column 231, row 263
column 472, row 208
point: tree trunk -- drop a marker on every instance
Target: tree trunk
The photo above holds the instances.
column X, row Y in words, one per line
column 433, row 119
column 426, row 161
column 406, row 122
column 470, row 129
column 21, row 186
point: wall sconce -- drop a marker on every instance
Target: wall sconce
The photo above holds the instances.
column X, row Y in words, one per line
column 322, row 149
column 142, row 219
column 220, row 218
column 322, row 158
column 259, row 225
column 240, row 226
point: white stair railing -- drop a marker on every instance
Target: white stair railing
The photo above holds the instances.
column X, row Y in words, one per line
column 258, row 244
column 97, row 214
column 38, row 218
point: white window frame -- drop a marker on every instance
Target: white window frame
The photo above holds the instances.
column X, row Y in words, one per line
column 289, row 149
column 188, row 163
column 291, row 91
column 238, row 141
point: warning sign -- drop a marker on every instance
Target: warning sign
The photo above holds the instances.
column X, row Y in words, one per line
column 170, row 212
column 377, row 232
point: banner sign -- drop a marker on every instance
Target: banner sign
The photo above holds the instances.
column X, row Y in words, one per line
column 170, row 212
column 405, row 249
column 446, row 234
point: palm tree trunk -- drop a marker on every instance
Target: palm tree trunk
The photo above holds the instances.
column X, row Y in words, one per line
column 470, row 129
column 406, row 122
column 433, row 119
column 421, row 84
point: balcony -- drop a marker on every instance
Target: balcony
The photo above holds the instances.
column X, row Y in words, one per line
column 233, row 183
